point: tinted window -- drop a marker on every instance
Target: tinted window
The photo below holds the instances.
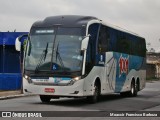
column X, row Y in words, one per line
column 129, row 44
column 142, row 49
column 123, row 43
column 103, row 39
column 91, row 50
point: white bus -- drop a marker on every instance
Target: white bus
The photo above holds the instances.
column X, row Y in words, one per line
column 80, row 56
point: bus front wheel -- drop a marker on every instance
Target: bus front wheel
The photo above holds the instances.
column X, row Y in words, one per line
column 96, row 94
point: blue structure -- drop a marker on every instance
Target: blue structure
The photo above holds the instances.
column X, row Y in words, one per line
column 10, row 73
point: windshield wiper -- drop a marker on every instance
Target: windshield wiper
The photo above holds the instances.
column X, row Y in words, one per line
column 42, row 58
column 59, row 57
column 46, row 51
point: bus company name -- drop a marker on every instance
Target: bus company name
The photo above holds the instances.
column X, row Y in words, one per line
column 123, row 65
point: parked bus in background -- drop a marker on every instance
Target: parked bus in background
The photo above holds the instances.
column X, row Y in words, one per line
column 80, row 56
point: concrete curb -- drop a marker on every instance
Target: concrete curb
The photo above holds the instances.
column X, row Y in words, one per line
column 14, row 96
column 11, row 96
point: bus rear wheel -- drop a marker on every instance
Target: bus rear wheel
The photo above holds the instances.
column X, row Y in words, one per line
column 133, row 91
column 45, row 98
column 95, row 97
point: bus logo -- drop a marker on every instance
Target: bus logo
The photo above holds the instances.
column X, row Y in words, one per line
column 101, row 58
column 123, row 65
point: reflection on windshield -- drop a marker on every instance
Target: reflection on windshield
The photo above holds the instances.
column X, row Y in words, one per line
column 67, row 55
column 42, row 58
column 38, row 45
column 60, row 52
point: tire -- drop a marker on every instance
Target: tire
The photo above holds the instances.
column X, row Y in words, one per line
column 45, row 98
column 125, row 94
column 138, row 86
column 95, row 97
column 133, row 91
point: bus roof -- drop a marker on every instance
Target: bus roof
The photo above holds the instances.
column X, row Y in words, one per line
column 75, row 21
column 120, row 29
column 65, row 21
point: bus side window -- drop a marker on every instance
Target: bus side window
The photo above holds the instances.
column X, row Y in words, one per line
column 141, row 50
column 103, row 39
column 123, row 43
column 91, row 51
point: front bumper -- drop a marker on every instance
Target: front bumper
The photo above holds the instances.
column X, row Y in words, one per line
column 75, row 90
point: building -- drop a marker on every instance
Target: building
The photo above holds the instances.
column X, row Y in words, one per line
column 153, row 65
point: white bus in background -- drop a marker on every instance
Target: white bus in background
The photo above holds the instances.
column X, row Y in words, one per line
column 80, row 56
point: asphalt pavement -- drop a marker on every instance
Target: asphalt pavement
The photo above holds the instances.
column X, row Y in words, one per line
column 8, row 94
column 148, row 100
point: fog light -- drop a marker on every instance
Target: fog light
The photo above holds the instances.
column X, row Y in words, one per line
column 28, row 78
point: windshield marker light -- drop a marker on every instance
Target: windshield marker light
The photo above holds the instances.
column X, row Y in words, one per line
column 44, row 31
column 28, row 78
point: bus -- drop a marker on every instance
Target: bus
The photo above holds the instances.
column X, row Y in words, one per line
column 81, row 56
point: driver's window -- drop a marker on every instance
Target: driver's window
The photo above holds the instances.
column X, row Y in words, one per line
column 103, row 39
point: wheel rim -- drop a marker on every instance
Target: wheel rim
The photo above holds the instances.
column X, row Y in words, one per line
column 132, row 89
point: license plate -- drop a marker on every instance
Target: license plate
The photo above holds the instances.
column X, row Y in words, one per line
column 49, row 90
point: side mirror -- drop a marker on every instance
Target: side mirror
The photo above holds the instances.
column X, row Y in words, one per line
column 18, row 42
column 85, row 42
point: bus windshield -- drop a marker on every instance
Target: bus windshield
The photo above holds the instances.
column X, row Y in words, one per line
column 56, row 49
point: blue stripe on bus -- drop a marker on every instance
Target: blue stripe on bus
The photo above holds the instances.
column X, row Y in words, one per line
column 134, row 62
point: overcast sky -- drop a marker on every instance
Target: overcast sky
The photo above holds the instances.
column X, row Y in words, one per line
column 139, row 16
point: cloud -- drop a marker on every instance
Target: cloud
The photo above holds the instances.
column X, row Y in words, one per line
column 140, row 16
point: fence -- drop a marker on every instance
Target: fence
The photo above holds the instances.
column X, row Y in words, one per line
column 10, row 73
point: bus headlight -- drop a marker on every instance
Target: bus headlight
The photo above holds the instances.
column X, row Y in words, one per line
column 77, row 78
column 28, row 78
